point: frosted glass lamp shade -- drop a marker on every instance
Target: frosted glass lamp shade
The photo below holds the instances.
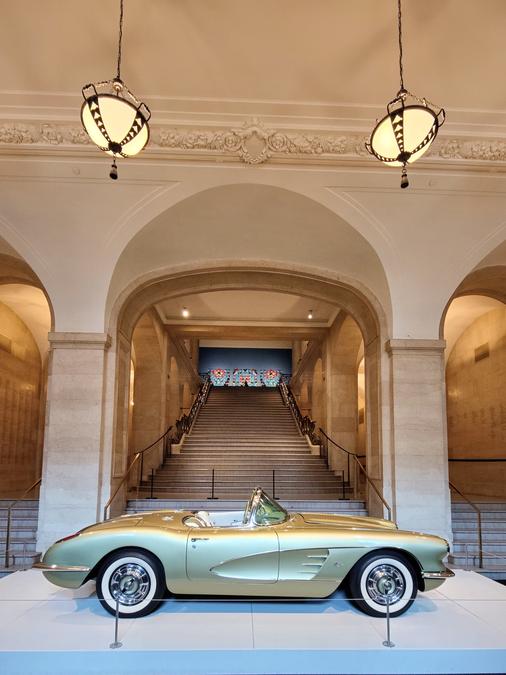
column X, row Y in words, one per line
column 404, row 134
column 114, row 119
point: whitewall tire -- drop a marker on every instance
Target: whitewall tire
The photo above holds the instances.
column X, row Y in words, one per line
column 135, row 579
column 382, row 578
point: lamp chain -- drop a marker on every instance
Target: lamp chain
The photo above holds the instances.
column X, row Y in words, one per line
column 120, row 39
column 399, row 20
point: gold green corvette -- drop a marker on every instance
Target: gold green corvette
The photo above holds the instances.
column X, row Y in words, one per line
column 261, row 551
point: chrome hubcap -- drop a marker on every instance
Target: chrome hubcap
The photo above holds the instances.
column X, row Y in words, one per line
column 385, row 582
column 129, row 584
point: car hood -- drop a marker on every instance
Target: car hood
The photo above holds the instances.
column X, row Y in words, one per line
column 346, row 522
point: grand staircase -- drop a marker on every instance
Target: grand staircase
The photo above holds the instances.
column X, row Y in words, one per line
column 248, row 437
column 22, row 552
column 465, row 550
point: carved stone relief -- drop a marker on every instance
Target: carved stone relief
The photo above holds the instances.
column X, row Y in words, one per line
column 251, row 143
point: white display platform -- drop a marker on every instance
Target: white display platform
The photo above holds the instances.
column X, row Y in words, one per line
column 460, row 628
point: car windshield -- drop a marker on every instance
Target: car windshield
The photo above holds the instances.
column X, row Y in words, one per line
column 268, row 511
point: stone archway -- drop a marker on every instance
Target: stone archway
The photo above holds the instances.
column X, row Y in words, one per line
column 369, row 317
column 474, row 322
column 26, row 317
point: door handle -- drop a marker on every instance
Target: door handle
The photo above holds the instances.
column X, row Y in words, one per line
column 199, row 539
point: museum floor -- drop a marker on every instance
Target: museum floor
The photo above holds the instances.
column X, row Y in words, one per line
column 461, row 628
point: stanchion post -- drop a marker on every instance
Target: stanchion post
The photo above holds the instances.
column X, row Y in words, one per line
column 212, row 486
column 274, row 484
column 388, row 642
column 116, row 644
column 152, row 483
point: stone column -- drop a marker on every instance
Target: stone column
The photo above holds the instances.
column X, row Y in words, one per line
column 73, row 447
column 419, row 454
column 296, row 355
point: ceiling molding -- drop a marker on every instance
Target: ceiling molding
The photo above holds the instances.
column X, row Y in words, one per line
column 251, row 143
column 214, row 332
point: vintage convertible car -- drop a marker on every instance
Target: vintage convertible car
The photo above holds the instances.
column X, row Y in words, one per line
column 263, row 551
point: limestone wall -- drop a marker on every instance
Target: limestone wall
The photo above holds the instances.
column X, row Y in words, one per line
column 20, row 385
column 476, row 405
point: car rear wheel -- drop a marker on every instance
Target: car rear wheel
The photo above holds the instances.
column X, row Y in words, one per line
column 133, row 578
column 382, row 578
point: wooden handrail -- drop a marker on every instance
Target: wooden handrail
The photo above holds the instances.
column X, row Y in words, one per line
column 9, row 515
column 478, row 515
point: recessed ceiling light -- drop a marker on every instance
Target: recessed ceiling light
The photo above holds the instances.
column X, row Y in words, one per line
column 185, row 312
column 310, row 314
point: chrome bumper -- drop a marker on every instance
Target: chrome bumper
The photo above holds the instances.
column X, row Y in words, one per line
column 445, row 574
column 44, row 567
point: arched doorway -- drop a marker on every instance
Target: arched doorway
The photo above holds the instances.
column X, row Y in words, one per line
column 25, row 320
column 475, row 331
column 251, row 281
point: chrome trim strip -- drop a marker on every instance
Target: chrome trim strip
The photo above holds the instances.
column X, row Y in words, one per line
column 446, row 574
column 44, row 567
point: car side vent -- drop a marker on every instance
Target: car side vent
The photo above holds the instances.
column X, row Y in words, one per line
column 481, row 352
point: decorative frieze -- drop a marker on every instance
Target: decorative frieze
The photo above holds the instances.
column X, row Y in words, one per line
column 252, row 142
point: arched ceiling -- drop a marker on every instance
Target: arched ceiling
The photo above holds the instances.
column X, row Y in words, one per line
column 246, row 308
column 30, row 304
column 240, row 223
column 462, row 312
column 316, row 76
column 7, row 249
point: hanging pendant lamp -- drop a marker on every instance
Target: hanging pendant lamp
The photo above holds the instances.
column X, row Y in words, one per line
column 410, row 126
column 115, row 119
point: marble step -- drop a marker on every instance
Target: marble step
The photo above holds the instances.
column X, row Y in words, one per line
column 234, row 494
column 498, row 524
column 458, row 507
column 346, row 507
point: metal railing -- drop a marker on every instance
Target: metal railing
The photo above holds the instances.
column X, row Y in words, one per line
column 307, row 426
column 182, row 426
column 363, row 471
column 9, row 519
column 482, row 554
column 185, row 423
column 138, row 459
column 485, row 460
column 478, row 516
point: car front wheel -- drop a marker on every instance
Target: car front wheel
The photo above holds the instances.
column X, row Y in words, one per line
column 379, row 579
column 132, row 578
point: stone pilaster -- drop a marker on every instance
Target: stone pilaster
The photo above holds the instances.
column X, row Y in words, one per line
column 72, row 463
column 419, row 442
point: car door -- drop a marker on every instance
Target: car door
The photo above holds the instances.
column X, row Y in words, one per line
column 224, row 554
column 303, row 552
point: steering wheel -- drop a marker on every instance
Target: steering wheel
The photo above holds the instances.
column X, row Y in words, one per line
column 199, row 521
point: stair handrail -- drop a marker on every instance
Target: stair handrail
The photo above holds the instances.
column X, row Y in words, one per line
column 182, row 425
column 9, row 517
column 363, row 471
column 486, row 554
column 305, row 424
column 185, row 423
column 478, row 515
column 138, row 455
